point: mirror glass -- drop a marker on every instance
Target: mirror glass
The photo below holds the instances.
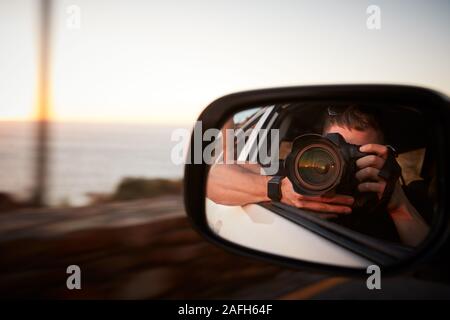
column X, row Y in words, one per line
column 341, row 183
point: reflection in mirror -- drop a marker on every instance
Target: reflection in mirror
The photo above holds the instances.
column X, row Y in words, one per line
column 345, row 184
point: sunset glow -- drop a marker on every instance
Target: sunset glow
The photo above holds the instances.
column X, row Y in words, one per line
column 128, row 64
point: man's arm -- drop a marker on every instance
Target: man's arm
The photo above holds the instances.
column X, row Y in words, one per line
column 410, row 226
column 238, row 185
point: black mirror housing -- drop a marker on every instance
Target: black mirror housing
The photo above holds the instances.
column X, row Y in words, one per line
column 436, row 107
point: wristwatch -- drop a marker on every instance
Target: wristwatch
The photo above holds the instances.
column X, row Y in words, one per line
column 274, row 188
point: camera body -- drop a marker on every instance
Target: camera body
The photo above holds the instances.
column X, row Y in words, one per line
column 323, row 165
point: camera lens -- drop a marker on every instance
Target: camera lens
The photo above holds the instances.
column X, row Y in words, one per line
column 317, row 168
column 317, row 165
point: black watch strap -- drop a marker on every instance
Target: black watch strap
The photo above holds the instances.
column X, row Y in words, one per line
column 274, row 188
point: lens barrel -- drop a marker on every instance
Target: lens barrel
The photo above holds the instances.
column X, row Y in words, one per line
column 315, row 165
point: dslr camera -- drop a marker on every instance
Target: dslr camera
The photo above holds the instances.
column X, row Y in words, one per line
column 323, row 165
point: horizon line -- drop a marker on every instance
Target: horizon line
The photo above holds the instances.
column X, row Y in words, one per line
column 101, row 121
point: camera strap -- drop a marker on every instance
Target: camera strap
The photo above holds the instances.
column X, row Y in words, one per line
column 391, row 172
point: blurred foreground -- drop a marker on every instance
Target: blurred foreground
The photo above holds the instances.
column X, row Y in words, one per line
column 144, row 249
column 137, row 249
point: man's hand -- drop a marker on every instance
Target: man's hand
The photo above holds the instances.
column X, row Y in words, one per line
column 331, row 207
column 370, row 167
column 411, row 227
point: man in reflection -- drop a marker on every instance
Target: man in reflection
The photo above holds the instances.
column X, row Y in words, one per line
column 241, row 184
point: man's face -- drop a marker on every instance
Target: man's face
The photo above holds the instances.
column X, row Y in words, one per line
column 354, row 136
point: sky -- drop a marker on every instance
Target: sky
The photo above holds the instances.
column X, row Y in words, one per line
column 162, row 62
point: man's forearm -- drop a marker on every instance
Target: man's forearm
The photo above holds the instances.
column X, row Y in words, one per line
column 236, row 185
column 411, row 228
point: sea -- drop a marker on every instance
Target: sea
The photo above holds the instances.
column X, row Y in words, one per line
column 85, row 158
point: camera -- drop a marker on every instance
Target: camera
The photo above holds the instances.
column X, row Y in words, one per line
column 323, row 165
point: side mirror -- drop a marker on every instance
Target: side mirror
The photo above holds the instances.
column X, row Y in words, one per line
column 280, row 175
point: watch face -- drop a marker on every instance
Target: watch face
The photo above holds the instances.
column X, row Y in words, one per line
column 274, row 191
